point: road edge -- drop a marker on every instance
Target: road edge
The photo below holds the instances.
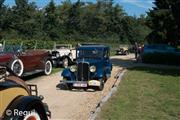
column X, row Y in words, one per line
column 118, row 77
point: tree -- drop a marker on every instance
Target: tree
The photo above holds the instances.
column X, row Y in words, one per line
column 102, row 21
column 162, row 22
column 22, row 19
column 73, row 20
column 3, row 11
column 50, row 21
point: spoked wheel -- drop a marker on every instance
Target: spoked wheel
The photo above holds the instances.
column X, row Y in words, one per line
column 48, row 68
column 17, row 67
column 65, row 62
column 32, row 116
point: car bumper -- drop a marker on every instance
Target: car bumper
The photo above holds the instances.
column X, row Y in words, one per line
column 82, row 83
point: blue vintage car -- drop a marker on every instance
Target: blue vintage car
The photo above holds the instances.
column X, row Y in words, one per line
column 93, row 67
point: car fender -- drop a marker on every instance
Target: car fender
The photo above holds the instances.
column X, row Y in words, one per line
column 13, row 57
column 68, row 74
column 48, row 58
column 68, row 57
column 98, row 74
column 108, row 70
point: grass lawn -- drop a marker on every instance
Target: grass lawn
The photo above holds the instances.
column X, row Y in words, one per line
column 55, row 70
column 145, row 94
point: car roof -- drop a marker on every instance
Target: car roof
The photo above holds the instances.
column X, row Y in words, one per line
column 93, row 46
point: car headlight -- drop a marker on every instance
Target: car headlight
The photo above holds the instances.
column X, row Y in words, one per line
column 73, row 68
column 57, row 55
column 92, row 68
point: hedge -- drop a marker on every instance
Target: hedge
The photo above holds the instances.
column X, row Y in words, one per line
column 161, row 58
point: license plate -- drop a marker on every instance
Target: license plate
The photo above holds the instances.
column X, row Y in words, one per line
column 80, row 84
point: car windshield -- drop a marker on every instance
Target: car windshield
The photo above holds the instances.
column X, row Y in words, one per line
column 89, row 53
column 62, row 46
column 12, row 48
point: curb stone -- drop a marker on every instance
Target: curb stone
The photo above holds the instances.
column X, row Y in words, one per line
column 118, row 78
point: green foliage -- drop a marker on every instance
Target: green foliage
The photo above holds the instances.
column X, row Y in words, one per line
column 30, row 44
column 164, row 22
column 79, row 21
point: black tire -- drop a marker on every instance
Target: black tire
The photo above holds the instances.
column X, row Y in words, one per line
column 65, row 63
column 48, row 67
column 101, row 87
column 34, row 111
column 69, row 86
column 104, row 78
column 85, row 89
column 17, row 67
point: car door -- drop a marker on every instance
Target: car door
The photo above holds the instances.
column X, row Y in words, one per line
column 29, row 60
column 108, row 65
column 39, row 58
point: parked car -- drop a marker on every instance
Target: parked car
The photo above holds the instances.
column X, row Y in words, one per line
column 63, row 54
column 93, row 67
column 122, row 51
column 20, row 101
column 160, row 54
column 25, row 62
column 160, row 48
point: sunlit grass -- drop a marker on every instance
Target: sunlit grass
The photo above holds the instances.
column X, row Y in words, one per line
column 145, row 94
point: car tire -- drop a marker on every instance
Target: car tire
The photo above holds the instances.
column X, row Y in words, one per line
column 104, row 78
column 101, row 87
column 17, row 67
column 69, row 86
column 48, row 67
column 34, row 113
column 126, row 53
column 65, row 63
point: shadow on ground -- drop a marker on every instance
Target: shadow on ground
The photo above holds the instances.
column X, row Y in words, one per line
column 61, row 86
column 31, row 77
column 131, row 64
column 123, row 63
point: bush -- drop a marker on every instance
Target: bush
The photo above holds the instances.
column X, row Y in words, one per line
column 48, row 44
column 30, row 44
column 161, row 58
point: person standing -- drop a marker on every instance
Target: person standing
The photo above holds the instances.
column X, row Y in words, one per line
column 136, row 50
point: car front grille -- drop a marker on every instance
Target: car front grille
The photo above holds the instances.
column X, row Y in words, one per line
column 83, row 72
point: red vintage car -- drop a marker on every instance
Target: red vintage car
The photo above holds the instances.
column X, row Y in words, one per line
column 25, row 62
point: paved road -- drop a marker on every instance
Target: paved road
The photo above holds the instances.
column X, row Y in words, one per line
column 74, row 105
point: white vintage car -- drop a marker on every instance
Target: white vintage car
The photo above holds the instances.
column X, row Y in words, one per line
column 63, row 54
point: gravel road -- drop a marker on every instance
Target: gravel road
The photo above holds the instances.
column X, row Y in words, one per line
column 76, row 104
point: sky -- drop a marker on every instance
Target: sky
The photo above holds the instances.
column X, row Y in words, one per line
column 132, row 7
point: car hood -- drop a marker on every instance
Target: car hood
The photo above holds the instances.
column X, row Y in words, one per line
column 5, row 57
column 3, row 54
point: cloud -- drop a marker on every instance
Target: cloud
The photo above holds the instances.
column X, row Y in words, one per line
column 139, row 3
